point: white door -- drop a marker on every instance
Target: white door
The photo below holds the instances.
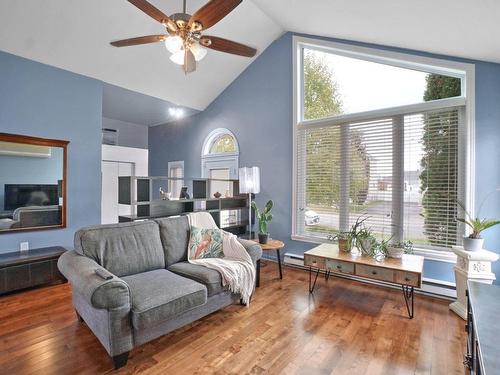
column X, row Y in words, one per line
column 175, row 170
column 216, row 185
column 110, row 209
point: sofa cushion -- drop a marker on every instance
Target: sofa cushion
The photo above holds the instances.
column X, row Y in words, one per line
column 161, row 295
column 123, row 249
column 208, row 277
column 174, row 233
column 205, row 243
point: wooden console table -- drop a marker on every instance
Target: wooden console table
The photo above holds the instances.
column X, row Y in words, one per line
column 35, row 267
column 406, row 271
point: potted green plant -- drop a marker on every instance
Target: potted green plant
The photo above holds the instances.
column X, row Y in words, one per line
column 398, row 248
column 264, row 218
column 366, row 242
column 346, row 239
column 474, row 242
column 381, row 247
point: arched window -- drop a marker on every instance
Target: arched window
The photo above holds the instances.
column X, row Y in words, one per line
column 222, row 144
column 220, row 154
column 220, row 141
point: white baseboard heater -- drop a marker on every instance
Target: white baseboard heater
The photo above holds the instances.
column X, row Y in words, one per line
column 436, row 288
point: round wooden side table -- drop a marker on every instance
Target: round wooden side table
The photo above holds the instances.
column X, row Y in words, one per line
column 276, row 245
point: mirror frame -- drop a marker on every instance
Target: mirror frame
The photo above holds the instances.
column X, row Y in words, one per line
column 25, row 139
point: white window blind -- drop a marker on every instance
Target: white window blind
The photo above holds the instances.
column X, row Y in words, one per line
column 401, row 172
column 431, row 142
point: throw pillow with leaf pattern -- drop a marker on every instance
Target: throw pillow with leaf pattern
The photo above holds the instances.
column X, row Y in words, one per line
column 205, row 243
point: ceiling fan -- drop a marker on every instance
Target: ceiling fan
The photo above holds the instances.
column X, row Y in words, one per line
column 184, row 37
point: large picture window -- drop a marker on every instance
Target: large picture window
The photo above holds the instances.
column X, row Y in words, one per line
column 379, row 139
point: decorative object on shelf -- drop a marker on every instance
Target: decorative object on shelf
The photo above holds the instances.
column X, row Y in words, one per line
column 183, row 36
column 217, row 195
column 474, row 266
column 264, row 217
column 474, row 242
column 249, row 178
column 397, row 249
column 165, row 195
column 230, row 214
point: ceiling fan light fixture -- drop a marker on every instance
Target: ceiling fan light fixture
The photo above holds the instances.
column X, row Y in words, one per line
column 174, row 43
column 178, row 57
column 198, row 51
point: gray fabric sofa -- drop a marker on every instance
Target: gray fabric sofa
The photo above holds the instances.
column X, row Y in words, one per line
column 145, row 287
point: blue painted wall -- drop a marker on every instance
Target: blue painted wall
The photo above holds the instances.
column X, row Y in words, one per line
column 257, row 108
column 30, row 170
column 43, row 101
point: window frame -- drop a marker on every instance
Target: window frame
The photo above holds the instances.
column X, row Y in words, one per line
column 465, row 71
column 224, row 159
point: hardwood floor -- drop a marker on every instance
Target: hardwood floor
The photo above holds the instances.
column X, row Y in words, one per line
column 346, row 327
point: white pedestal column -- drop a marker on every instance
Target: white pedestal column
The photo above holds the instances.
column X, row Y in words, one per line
column 474, row 266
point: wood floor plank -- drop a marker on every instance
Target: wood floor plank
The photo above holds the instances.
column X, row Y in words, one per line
column 345, row 327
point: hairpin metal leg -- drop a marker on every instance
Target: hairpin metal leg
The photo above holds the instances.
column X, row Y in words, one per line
column 409, row 294
column 327, row 275
column 311, row 289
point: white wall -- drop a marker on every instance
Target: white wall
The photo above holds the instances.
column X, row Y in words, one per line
column 119, row 161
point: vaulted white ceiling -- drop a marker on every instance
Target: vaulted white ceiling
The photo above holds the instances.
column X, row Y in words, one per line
column 75, row 35
column 463, row 28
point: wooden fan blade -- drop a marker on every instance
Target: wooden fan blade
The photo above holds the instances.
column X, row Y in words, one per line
column 155, row 13
column 139, row 40
column 189, row 62
column 212, row 12
column 228, row 46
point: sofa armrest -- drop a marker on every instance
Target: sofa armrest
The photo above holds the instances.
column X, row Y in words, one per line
column 97, row 291
column 253, row 249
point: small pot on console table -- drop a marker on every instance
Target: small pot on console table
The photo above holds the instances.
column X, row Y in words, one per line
column 474, row 266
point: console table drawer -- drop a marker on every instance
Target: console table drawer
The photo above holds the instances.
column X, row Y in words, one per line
column 378, row 273
column 407, row 278
column 339, row 266
column 312, row 261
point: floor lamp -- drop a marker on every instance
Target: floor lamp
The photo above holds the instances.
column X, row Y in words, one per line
column 249, row 178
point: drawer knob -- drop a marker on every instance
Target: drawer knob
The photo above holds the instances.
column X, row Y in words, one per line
column 374, row 272
column 339, row 267
column 407, row 279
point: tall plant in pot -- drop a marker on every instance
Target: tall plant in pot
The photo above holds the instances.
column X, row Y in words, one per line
column 264, row 216
column 366, row 242
column 347, row 239
column 474, row 242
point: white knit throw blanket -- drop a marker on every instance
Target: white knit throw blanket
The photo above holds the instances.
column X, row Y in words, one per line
column 236, row 268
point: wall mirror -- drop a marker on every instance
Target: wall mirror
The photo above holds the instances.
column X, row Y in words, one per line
column 32, row 183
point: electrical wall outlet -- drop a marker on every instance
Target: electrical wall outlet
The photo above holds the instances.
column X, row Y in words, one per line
column 24, row 246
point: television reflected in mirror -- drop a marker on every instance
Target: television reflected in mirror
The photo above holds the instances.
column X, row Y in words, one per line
column 32, row 183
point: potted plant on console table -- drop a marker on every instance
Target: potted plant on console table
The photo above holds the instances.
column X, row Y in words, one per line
column 474, row 242
column 264, row 217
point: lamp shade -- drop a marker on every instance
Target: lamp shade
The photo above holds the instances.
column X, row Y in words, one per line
column 249, row 180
